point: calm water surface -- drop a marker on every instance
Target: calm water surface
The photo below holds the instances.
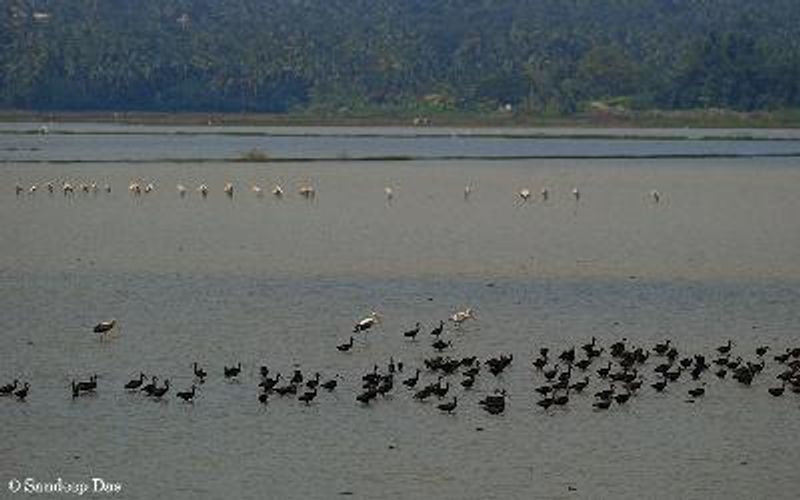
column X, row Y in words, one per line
column 281, row 282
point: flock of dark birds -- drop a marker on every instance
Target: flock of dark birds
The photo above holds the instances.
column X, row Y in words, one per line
column 625, row 371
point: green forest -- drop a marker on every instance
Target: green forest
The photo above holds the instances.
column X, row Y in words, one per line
column 548, row 57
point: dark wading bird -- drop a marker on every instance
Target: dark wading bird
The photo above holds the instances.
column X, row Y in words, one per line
column 9, row 388
column 159, row 392
column 199, row 372
column 233, row 371
column 187, row 396
column 22, row 393
column 105, row 327
column 135, row 383
column 346, row 346
column 449, row 407
column 411, row 334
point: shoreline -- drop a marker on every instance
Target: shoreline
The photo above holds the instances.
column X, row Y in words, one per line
column 700, row 119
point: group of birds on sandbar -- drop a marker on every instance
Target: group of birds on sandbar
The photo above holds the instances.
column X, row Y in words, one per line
column 306, row 190
column 138, row 188
column 619, row 373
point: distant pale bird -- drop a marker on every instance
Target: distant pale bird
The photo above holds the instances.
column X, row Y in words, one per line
column 576, row 193
column 181, row 190
column 307, row 191
column 67, row 188
column 150, row 187
column 258, row 191
column 368, row 322
column 277, row 191
column 525, row 194
column 389, row 192
column 135, row 188
column 229, row 189
column 467, row 191
column 32, row 189
column 203, row 190
column 462, row 316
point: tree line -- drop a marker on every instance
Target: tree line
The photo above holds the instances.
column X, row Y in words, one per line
column 539, row 56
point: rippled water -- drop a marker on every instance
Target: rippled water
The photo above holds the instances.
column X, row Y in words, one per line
column 281, row 282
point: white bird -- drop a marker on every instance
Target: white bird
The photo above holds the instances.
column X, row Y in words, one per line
column 44, row 130
column 181, row 190
column 203, row 190
column 545, row 194
column 277, row 191
column 576, row 194
column 258, row 191
column 93, row 186
column 67, row 188
column 307, row 191
column 389, row 192
column 149, row 187
column 655, row 195
column 525, row 193
column 135, row 188
column 467, row 191
column 368, row 322
column 32, row 189
column 229, row 189
column 462, row 316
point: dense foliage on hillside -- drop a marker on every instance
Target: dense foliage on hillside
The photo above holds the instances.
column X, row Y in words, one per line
column 540, row 56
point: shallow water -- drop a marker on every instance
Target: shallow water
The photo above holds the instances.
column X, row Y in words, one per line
column 280, row 282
